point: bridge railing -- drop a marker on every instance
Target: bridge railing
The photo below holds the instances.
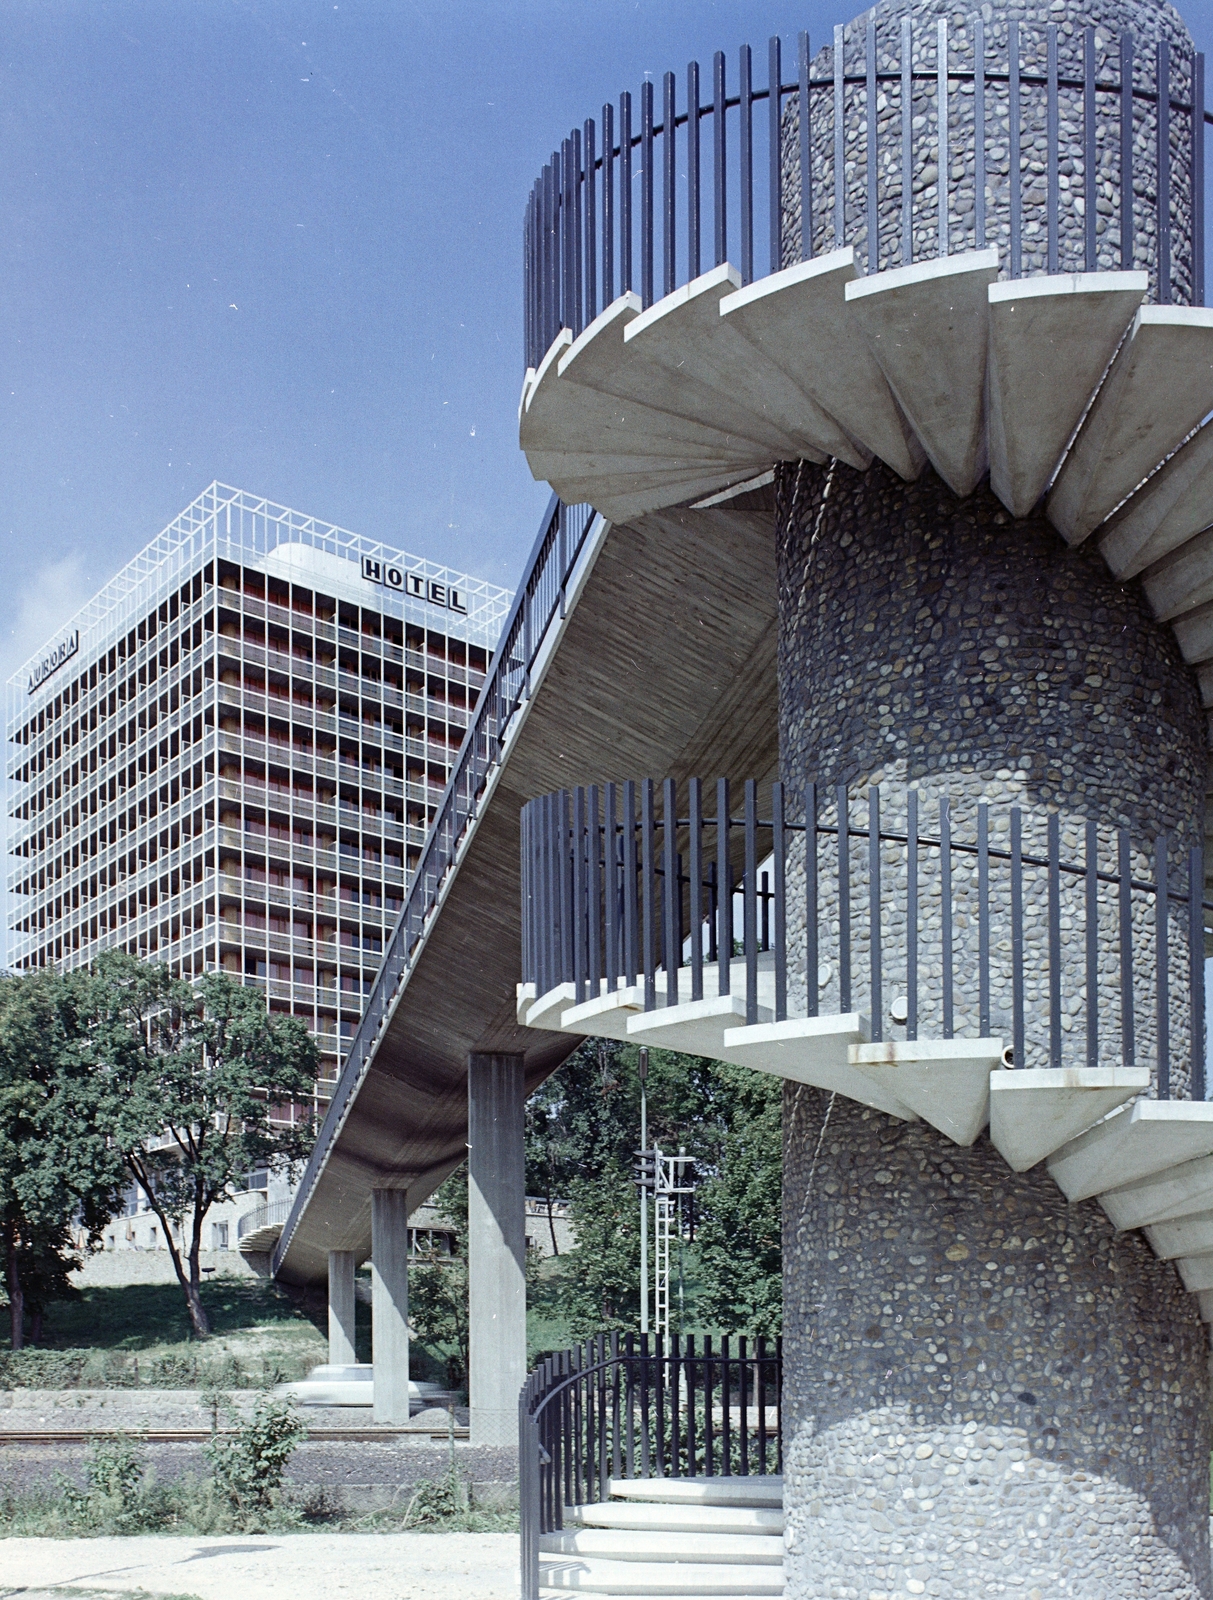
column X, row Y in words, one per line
column 540, row 601
column 980, row 93
column 1076, row 945
column 639, row 1408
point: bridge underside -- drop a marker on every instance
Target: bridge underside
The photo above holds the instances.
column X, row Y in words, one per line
column 665, row 663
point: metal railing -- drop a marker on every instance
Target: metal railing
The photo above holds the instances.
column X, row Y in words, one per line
column 971, row 921
column 634, row 1408
column 579, row 225
column 267, row 1216
column 539, row 601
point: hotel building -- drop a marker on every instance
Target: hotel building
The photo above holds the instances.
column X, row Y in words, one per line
column 228, row 759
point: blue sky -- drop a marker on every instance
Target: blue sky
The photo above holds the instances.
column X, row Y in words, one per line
column 279, row 244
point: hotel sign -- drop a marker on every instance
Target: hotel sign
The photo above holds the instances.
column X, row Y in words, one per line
column 63, row 651
column 412, row 583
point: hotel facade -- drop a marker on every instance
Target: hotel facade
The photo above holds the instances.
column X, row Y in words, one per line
column 228, row 759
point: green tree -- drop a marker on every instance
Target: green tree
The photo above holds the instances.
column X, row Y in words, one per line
column 583, row 1128
column 438, row 1288
column 56, row 1165
column 195, row 1088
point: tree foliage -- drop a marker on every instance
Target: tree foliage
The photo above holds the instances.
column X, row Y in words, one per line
column 194, row 1089
column 583, row 1128
column 56, row 1165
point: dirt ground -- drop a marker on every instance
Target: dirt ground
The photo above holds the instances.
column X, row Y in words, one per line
column 294, row 1566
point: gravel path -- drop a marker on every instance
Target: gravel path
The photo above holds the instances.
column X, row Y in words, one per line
column 293, row 1566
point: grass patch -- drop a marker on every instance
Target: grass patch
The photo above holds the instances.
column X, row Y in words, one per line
column 139, row 1334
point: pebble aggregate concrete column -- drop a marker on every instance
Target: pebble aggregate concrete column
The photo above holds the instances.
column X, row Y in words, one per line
column 341, row 1308
column 390, row 1303
column 496, row 1246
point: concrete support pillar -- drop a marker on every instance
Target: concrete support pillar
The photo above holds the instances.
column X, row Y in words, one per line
column 390, row 1303
column 341, row 1309
column 496, row 1246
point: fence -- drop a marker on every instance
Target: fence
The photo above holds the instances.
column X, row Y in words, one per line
column 635, row 1409
column 975, row 917
column 539, row 602
column 579, row 241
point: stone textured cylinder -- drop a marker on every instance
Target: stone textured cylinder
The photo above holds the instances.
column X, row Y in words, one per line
column 987, row 1391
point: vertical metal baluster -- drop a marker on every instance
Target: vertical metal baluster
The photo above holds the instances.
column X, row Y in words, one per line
column 566, row 235
column 979, row 124
column 912, row 914
column 874, row 912
column 567, row 910
column 746, row 111
column 629, row 1415
column 1126, row 152
column 659, row 1376
column 594, row 973
column 1089, row 172
column 779, row 1403
column 646, row 1457
column 983, row 920
column 695, row 812
column 1196, row 969
column 693, row 193
column 1014, row 175
column 689, row 1370
column 625, row 192
column 580, row 928
column 648, row 872
column 1198, row 179
column 907, row 142
column 1164, row 172
column 528, row 330
column 713, row 909
column 608, row 205
column 840, row 141
column 1162, row 964
column 1054, row 940
column 719, row 186
column 1128, row 1019
column 774, row 163
column 761, row 1386
column 726, row 1442
column 646, row 192
column 873, row 213
column 611, row 891
column 844, row 898
column 616, row 1452
column 579, row 317
column 672, row 898
column 806, row 151
column 591, row 220
column 1017, row 1019
column 750, row 922
column 945, row 887
column 544, row 980
column 724, row 889
column 743, row 1375
column 669, row 150
column 631, row 920
column 780, row 863
column 941, row 67
column 1092, row 929
column 812, row 957
column 1052, row 155
column 709, row 1442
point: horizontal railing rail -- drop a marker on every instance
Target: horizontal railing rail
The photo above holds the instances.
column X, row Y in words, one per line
column 633, row 1407
column 580, row 230
column 539, row 601
column 971, row 922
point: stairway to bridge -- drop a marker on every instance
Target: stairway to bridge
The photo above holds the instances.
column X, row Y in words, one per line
column 691, row 1537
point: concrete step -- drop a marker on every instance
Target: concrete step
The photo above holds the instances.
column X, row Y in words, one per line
column 637, row 1578
column 660, row 1544
column 755, row 1491
column 676, row 1518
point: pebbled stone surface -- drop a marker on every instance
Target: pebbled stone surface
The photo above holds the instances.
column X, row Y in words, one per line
column 987, row 1392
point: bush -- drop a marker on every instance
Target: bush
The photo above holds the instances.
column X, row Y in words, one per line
column 120, row 1494
column 249, row 1463
column 42, row 1369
